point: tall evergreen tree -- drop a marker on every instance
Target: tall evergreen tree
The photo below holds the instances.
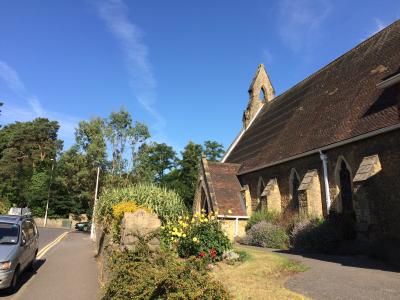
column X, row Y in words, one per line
column 25, row 148
column 213, row 150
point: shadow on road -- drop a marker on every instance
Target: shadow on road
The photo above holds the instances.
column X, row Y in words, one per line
column 24, row 278
column 356, row 261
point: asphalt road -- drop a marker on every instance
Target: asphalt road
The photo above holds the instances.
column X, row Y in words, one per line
column 67, row 271
column 344, row 277
column 47, row 235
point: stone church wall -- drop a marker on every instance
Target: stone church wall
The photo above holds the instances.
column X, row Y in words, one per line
column 381, row 191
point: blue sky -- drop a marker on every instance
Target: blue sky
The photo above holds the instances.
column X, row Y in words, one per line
column 183, row 67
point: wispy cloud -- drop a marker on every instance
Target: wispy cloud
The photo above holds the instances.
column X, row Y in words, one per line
column 378, row 26
column 300, row 22
column 31, row 107
column 115, row 14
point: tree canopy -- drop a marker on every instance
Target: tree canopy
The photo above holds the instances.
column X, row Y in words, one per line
column 33, row 167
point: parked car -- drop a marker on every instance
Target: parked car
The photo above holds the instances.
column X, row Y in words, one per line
column 19, row 244
column 83, row 226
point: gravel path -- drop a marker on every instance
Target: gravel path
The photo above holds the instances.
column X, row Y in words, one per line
column 344, row 277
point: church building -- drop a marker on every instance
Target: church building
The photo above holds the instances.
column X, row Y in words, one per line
column 330, row 144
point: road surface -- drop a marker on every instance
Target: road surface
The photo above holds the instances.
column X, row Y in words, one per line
column 68, row 270
column 332, row 277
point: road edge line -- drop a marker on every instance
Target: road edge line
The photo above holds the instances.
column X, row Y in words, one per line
column 50, row 245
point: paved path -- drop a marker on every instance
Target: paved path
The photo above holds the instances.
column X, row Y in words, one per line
column 344, row 277
column 67, row 271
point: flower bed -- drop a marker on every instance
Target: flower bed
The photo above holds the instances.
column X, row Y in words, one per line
column 200, row 236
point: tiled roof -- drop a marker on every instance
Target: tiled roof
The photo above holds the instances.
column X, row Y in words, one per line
column 338, row 102
column 226, row 188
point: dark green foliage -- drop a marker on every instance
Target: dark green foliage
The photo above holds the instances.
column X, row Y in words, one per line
column 213, row 150
column 323, row 236
column 183, row 179
column 315, row 236
column 210, row 236
column 119, row 130
column 142, row 274
column 25, row 148
column 38, row 192
column 161, row 159
column 263, row 215
column 264, row 234
column 158, row 163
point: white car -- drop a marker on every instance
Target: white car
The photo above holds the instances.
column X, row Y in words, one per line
column 19, row 243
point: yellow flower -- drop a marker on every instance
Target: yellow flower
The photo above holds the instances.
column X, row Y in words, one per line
column 195, row 239
column 179, row 217
column 192, row 221
column 175, row 229
column 212, row 218
column 184, row 235
column 172, row 238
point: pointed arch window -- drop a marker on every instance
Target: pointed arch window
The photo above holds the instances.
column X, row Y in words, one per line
column 260, row 190
column 344, row 186
column 294, row 183
column 262, row 96
column 346, row 193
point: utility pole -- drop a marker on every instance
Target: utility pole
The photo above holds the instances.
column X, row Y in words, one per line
column 48, row 194
column 92, row 230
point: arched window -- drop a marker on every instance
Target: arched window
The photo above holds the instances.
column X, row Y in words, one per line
column 294, row 183
column 346, row 194
column 344, row 186
column 261, row 96
column 260, row 190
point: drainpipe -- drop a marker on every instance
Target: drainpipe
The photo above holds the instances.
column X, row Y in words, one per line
column 324, row 159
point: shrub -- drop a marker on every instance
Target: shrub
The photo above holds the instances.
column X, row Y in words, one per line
column 118, row 211
column 263, row 215
column 142, row 274
column 268, row 235
column 123, row 207
column 200, row 235
column 4, row 207
column 166, row 203
column 315, row 236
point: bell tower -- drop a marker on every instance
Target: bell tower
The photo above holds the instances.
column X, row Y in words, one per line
column 260, row 92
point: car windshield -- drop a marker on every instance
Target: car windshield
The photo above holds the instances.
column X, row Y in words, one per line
column 9, row 234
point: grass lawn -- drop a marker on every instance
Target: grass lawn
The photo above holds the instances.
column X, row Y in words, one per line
column 261, row 276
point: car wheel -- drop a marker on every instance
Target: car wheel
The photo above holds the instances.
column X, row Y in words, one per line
column 14, row 282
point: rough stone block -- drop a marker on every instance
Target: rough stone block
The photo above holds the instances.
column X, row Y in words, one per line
column 139, row 223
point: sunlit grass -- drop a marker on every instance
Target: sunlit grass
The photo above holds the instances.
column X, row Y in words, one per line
column 260, row 276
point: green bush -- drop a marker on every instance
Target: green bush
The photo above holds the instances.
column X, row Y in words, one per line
column 263, row 215
column 201, row 235
column 142, row 274
column 4, row 207
column 264, row 234
column 315, row 236
column 166, row 203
